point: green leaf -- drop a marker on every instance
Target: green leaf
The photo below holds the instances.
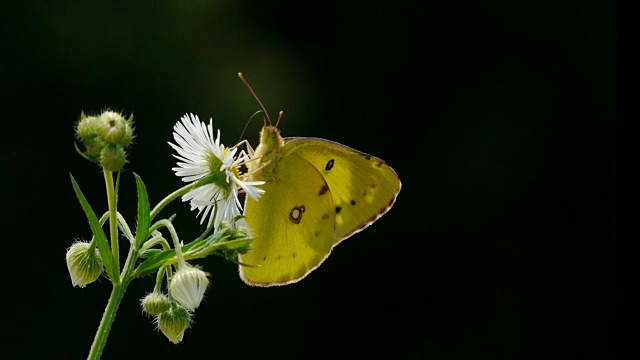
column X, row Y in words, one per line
column 98, row 233
column 80, row 151
column 144, row 213
column 225, row 242
column 153, row 263
column 160, row 258
column 149, row 253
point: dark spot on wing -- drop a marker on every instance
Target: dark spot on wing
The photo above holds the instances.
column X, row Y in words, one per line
column 265, row 257
column 352, row 202
column 366, row 157
column 329, row 165
column 378, row 163
column 323, row 189
column 316, row 233
column 325, row 216
column 338, row 209
column 295, row 215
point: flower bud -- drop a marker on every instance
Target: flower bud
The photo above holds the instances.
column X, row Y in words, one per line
column 84, row 264
column 155, row 303
column 113, row 158
column 188, row 286
column 112, row 128
column 174, row 322
column 87, row 127
column 241, row 229
column 87, row 132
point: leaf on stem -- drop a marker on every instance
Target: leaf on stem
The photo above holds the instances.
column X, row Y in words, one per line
column 144, row 213
column 98, row 233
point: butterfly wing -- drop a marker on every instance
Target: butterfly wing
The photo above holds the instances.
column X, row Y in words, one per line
column 292, row 223
column 363, row 187
column 317, row 193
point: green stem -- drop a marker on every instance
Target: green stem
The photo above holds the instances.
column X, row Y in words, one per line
column 176, row 194
column 113, row 218
column 176, row 242
column 117, row 293
column 159, row 278
column 122, row 281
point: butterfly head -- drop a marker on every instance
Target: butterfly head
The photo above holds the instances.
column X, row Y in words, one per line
column 268, row 150
column 270, row 141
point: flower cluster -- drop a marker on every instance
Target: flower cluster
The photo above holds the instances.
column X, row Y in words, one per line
column 215, row 182
column 105, row 138
column 172, row 312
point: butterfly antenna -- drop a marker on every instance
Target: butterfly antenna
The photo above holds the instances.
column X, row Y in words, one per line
column 279, row 118
column 247, row 124
column 246, row 83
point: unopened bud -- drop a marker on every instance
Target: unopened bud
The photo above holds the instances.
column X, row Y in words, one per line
column 84, row 264
column 155, row 303
column 113, row 158
column 188, row 286
column 174, row 322
column 112, row 128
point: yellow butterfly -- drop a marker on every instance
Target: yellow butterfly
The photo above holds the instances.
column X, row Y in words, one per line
column 317, row 193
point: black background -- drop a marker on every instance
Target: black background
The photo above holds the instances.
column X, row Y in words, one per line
column 499, row 118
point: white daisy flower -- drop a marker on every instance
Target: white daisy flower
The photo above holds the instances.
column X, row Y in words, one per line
column 201, row 155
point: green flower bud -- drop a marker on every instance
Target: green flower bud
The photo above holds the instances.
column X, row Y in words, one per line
column 188, row 286
column 93, row 150
column 87, row 132
column 155, row 303
column 87, row 127
column 84, row 264
column 241, row 230
column 112, row 128
column 113, row 158
column 174, row 322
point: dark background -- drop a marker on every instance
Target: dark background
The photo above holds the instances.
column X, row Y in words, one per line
column 499, row 118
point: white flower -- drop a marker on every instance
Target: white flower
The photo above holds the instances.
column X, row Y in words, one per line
column 201, row 155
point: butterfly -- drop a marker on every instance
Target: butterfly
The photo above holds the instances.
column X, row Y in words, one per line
column 317, row 194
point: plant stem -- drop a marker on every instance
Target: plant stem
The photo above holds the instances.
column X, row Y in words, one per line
column 121, row 282
column 117, row 293
column 113, row 218
column 174, row 195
